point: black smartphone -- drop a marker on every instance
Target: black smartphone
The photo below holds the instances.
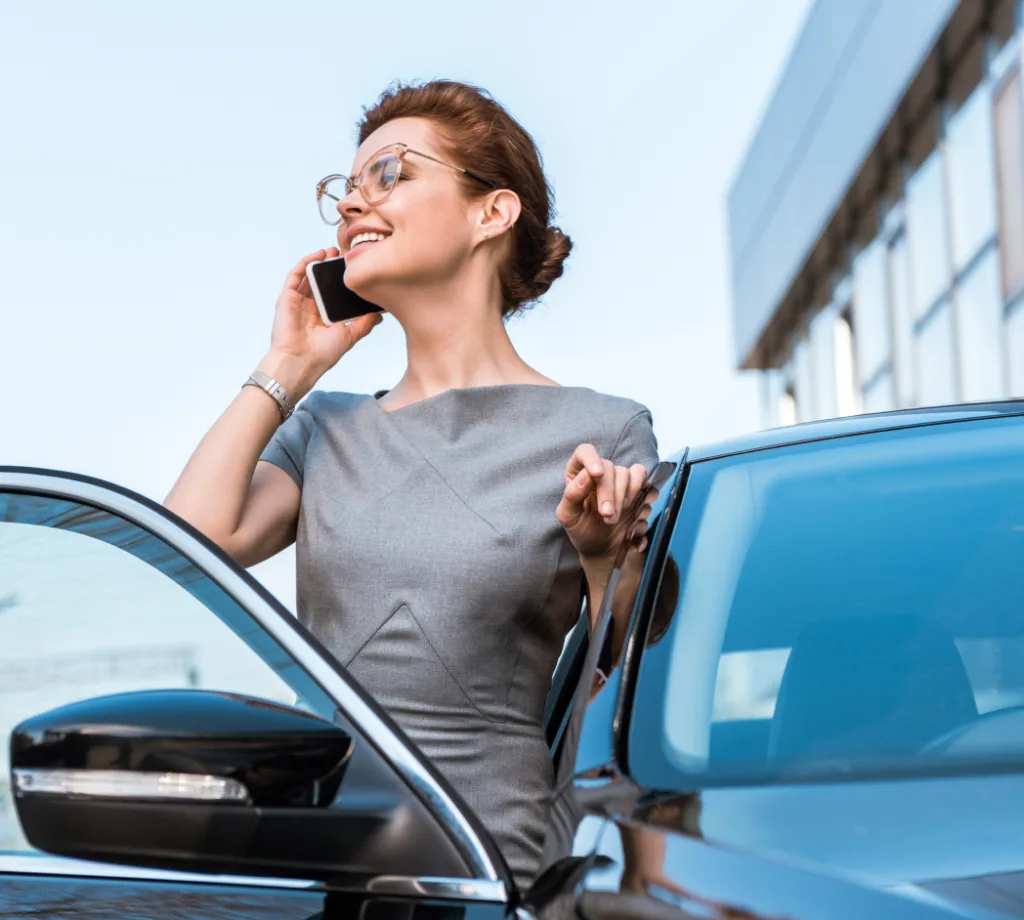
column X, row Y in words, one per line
column 336, row 303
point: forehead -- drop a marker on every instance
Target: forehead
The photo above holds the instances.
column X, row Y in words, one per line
column 417, row 133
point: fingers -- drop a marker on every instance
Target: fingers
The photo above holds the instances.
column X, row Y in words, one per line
column 574, row 499
column 621, row 479
column 612, row 491
column 298, row 273
column 637, row 480
column 585, row 457
column 361, row 327
column 605, row 496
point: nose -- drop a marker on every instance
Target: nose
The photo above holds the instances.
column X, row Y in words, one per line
column 353, row 205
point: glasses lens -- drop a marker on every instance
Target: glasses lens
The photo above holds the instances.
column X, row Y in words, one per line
column 379, row 177
column 334, row 190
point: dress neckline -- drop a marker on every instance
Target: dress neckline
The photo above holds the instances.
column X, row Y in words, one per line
column 464, row 391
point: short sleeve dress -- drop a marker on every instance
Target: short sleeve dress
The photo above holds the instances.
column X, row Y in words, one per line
column 431, row 564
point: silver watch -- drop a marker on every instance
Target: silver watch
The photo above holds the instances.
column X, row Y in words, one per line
column 274, row 390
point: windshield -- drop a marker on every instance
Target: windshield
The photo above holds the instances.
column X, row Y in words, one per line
column 851, row 606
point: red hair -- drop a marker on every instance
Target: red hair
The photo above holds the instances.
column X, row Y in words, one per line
column 477, row 133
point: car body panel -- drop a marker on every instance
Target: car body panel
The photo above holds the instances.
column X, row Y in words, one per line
column 854, row 425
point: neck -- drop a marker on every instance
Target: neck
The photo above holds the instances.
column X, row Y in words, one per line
column 455, row 338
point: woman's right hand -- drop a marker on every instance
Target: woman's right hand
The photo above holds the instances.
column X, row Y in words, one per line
column 302, row 347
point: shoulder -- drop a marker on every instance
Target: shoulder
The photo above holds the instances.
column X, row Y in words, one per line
column 621, row 428
column 323, row 405
column 612, row 412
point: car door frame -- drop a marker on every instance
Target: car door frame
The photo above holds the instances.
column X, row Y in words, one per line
column 490, row 881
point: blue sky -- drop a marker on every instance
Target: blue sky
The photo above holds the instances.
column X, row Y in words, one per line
column 156, row 183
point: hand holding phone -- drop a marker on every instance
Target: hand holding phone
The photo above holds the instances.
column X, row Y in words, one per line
column 335, row 301
column 302, row 347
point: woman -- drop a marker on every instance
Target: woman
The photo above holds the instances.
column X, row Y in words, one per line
column 443, row 528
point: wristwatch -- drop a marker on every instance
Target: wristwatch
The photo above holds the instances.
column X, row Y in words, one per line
column 274, row 390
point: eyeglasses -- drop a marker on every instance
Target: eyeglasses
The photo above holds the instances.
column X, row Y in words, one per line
column 376, row 181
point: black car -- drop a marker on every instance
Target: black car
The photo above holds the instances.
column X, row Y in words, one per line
column 818, row 711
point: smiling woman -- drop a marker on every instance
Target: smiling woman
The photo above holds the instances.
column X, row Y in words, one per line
column 444, row 529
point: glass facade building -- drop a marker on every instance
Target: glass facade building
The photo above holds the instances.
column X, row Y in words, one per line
column 879, row 263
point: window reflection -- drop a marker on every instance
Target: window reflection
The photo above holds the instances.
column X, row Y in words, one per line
column 936, row 383
column 872, row 664
column 980, row 315
column 971, row 177
column 926, row 233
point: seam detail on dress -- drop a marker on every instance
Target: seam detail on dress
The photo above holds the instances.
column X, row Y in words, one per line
column 455, row 680
column 629, row 422
column 451, row 488
column 373, row 635
column 559, row 549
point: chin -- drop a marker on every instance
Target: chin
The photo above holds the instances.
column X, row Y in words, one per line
column 371, row 285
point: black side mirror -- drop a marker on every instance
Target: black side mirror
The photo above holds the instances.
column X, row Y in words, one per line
column 180, row 778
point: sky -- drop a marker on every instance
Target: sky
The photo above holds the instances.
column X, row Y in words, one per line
column 157, row 173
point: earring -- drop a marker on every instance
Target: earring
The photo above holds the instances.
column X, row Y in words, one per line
column 487, row 234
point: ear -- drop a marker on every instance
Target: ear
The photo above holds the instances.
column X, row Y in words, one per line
column 498, row 213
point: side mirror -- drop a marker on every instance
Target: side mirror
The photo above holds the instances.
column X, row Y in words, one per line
column 192, row 779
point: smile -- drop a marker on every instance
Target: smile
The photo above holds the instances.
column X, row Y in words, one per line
column 362, row 241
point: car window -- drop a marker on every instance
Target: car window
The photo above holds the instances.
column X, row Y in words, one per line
column 853, row 607
column 92, row 604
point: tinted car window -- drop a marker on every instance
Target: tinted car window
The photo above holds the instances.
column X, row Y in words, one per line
column 853, row 606
column 92, row 604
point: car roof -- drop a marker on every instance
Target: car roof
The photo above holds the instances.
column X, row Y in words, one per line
column 854, row 425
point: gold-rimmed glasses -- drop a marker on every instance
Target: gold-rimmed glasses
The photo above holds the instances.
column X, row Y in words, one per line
column 376, row 180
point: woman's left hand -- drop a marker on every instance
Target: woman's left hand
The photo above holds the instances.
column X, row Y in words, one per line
column 594, row 503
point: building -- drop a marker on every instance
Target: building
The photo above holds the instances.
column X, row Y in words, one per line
column 877, row 220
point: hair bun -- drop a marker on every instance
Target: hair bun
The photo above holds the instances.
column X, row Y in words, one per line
column 557, row 247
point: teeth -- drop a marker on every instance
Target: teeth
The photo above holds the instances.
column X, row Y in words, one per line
column 366, row 238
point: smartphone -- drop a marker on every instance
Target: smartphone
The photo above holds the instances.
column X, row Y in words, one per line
column 336, row 303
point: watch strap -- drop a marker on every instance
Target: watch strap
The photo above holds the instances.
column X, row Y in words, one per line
column 274, row 390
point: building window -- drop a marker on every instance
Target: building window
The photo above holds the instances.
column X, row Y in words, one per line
column 927, row 235
column 878, row 395
column 871, row 311
column 979, row 304
column 970, row 159
column 902, row 321
column 936, row 381
column 1009, row 149
column 1015, row 348
column 787, row 407
column 803, row 381
column 823, row 363
column 847, row 392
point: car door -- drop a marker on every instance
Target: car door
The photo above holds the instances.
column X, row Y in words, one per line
column 104, row 592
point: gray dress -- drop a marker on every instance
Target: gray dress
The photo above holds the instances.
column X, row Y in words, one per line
column 431, row 563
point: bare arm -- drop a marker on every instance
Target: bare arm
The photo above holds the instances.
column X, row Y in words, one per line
column 250, row 509
column 247, row 508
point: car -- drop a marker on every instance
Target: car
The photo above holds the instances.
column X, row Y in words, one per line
column 817, row 711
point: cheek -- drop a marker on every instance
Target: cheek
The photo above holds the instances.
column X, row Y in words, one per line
column 434, row 232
